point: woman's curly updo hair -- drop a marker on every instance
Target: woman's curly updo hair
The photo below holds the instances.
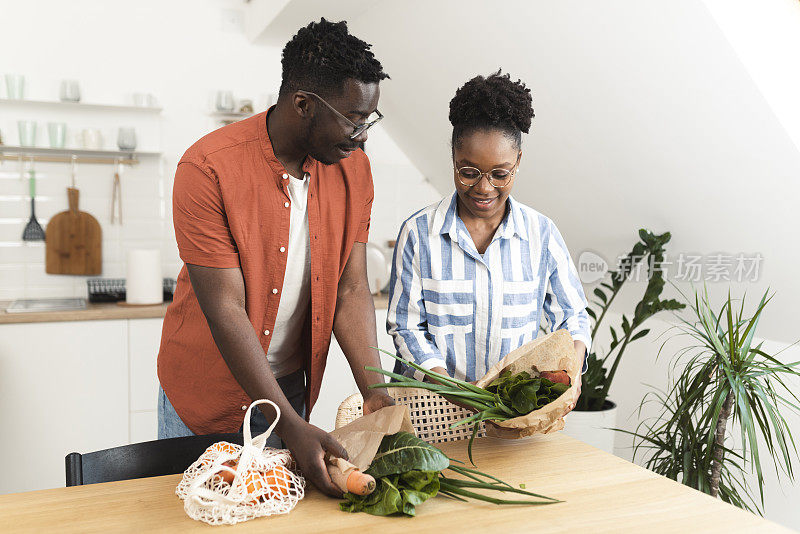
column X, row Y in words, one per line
column 492, row 102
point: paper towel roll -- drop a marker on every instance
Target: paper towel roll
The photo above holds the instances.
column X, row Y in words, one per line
column 144, row 282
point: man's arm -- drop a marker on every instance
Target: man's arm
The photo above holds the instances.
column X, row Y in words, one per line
column 354, row 328
column 221, row 294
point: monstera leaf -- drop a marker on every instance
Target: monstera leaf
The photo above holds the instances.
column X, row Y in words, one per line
column 404, row 452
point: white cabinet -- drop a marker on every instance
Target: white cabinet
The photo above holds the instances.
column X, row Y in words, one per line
column 88, row 385
column 63, row 388
column 144, row 339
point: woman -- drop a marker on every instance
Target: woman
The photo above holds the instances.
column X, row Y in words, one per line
column 473, row 273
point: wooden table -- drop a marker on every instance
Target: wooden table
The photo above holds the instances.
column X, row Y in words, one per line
column 603, row 493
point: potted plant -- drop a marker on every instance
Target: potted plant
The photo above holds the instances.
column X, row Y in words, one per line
column 594, row 416
column 722, row 387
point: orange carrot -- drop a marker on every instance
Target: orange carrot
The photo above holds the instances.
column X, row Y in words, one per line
column 360, row 483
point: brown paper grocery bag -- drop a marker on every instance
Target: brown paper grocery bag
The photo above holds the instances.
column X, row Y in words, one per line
column 553, row 352
column 362, row 438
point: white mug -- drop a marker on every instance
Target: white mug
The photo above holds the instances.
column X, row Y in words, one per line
column 92, row 139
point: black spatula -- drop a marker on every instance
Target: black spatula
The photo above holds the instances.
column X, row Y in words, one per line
column 33, row 230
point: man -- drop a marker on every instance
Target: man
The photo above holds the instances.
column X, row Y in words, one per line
column 271, row 218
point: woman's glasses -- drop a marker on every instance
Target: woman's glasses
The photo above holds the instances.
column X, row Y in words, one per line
column 470, row 176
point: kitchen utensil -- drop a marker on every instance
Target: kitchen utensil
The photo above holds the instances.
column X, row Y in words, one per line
column 15, row 86
column 70, row 91
column 74, row 239
column 27, row 133
column 58, row 134
column 126, row 138
column 116, row 196
column 377, row 269
column 33, row 230
column 224, row 101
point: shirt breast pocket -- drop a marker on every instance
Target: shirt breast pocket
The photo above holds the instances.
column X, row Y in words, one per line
column 449, row 305
column 520, row 310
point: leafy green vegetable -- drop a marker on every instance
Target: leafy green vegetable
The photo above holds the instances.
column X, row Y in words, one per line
column 404, row 452
column 395, row 494
column 525, row 393
column 405, row 485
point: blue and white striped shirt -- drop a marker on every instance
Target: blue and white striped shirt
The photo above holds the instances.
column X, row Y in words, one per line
column 451, row 307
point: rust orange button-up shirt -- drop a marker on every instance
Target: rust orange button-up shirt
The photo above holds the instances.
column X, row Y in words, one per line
column 231, row 209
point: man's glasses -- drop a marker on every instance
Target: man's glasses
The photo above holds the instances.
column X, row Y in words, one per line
column 358, row 129
column 470, row 176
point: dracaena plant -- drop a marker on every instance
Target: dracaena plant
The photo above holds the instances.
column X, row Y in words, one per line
column 601, row 370
column 721, row 387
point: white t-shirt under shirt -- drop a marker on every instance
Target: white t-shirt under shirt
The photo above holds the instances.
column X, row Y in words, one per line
column 283, row 354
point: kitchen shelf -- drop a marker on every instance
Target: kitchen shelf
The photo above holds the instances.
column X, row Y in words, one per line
column 79, row 105
column 64, row 155
column 230, row 115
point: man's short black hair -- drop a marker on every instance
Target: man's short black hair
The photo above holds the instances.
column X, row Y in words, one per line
column 494, row 102
column 321, row 56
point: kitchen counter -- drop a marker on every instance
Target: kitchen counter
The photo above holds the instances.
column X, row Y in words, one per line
column 602, row 493
column 107, row 311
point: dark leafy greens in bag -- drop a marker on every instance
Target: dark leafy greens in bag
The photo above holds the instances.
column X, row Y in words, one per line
column 524, row 393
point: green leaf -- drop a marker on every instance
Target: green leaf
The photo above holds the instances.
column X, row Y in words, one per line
column 602, row 296
column 403, row 452
column 640, row 334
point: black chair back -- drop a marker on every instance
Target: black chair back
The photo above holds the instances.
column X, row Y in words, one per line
column 139, row 460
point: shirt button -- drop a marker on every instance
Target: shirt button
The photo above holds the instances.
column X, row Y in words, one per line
column 274, row 291
column 266, row 332
column 285, row 204
column 285, row 176
column 244, row 407
column 283, row 249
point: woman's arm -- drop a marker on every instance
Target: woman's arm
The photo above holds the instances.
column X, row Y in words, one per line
column 565, row 303
column 407, row 321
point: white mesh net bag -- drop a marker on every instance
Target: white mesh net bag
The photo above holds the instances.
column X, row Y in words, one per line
column 229, row 483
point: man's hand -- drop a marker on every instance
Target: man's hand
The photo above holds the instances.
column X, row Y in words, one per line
column 375, row 400
column 309, row 446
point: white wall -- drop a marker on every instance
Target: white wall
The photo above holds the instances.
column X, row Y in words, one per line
column 178, row 51
column 645, row 116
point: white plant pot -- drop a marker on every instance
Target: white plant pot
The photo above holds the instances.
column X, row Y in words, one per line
column 593, row 428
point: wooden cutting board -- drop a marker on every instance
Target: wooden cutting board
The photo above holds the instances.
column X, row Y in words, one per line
column 73, row 241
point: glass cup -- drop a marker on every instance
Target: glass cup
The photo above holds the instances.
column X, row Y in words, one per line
column 27, row 133
column 15, row 86
column 126, row 138
column 58, row 134
column 92, row 139
column 70, row 91
column 224, row 101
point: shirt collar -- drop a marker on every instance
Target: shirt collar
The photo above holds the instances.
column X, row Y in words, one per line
column 445, row 219
column 269, row 154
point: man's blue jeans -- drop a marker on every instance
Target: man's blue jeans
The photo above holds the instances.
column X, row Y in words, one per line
column 170, row 424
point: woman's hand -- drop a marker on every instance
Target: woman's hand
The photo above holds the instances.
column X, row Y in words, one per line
column 580, row 352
